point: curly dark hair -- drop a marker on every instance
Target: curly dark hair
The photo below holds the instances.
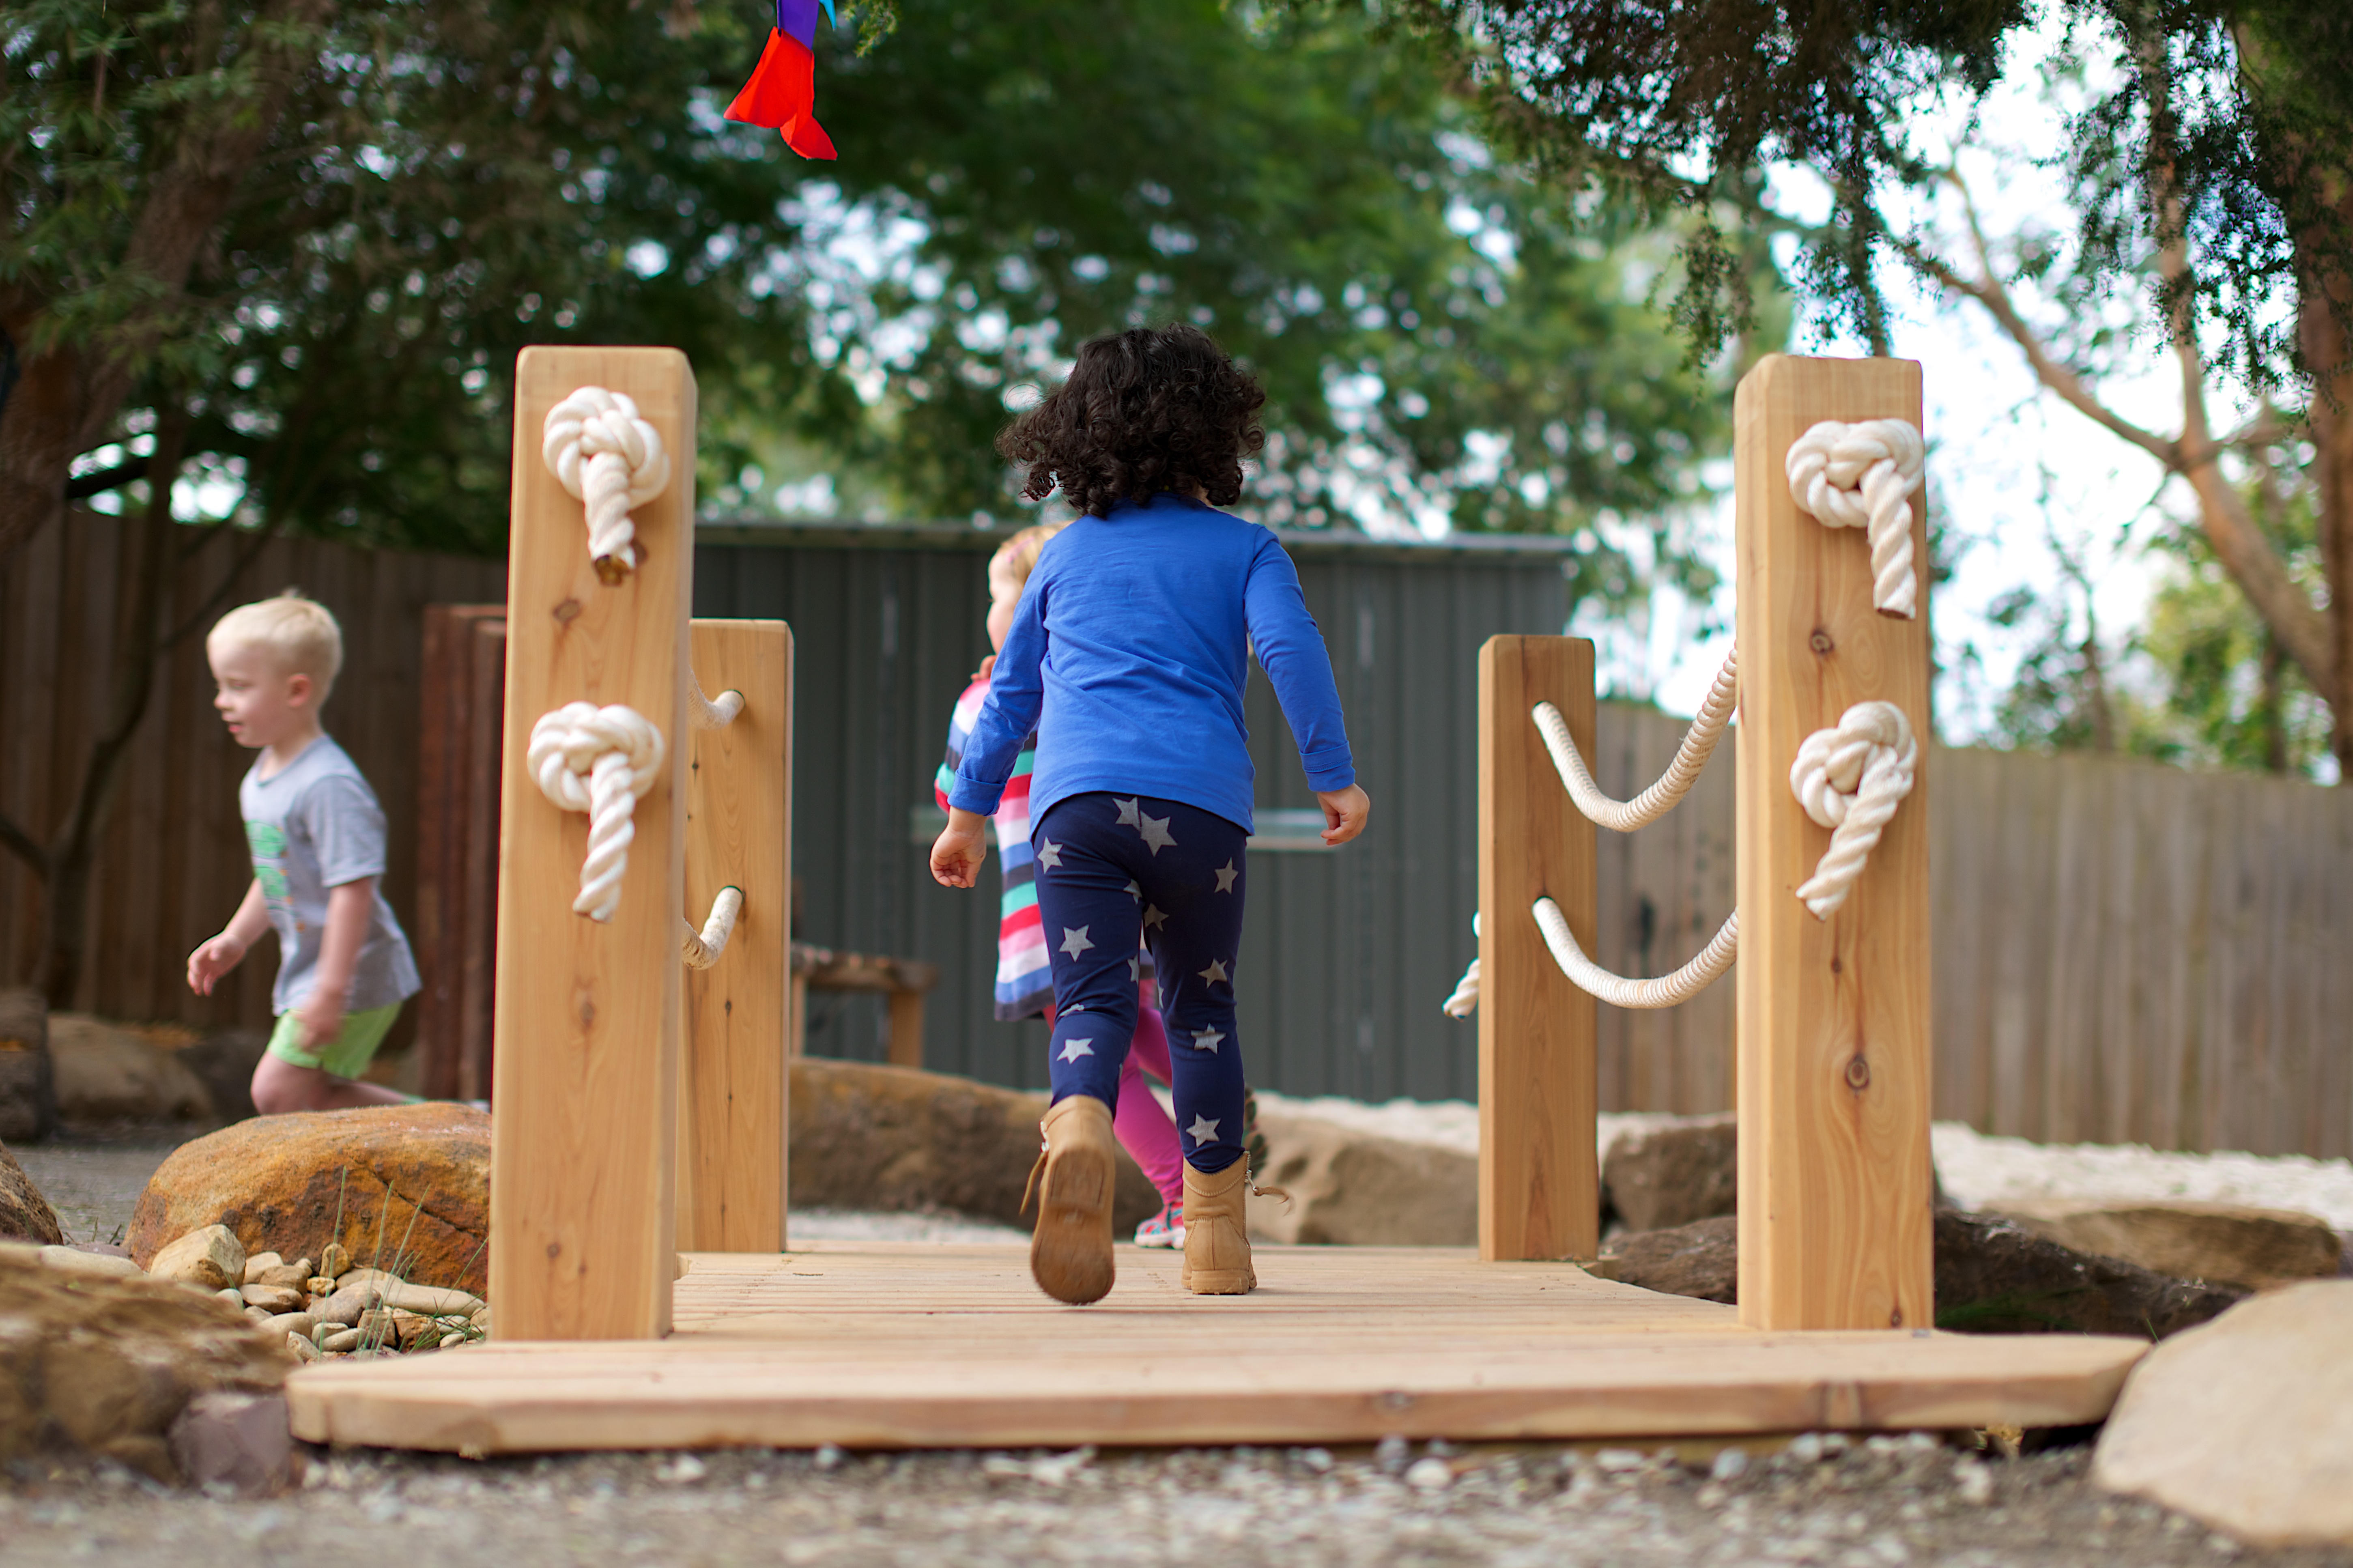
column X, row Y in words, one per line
column 1151, row 409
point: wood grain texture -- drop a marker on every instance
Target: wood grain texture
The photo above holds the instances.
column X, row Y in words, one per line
column 1539, row 1174
column 583, row 1217
column 1834, row 1068
column 734, row 1103
column 913, row 1346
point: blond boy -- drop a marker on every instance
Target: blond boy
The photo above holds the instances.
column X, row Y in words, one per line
column 318, row 842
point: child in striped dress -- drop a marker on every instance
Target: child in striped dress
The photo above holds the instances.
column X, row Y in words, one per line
column 1025, row 972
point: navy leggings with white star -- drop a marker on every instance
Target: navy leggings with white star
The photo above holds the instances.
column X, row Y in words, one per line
column 1110, row 867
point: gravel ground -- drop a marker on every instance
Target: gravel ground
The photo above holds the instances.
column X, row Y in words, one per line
column 92, row 1184
column 1887, row 1502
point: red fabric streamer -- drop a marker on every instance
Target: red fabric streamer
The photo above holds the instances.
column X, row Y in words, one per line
column 782, row 95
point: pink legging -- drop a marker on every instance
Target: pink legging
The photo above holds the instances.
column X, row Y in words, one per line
column 1143, row 1123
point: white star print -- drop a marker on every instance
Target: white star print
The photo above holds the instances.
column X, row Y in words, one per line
column 1216, row 973
column 1208, row 1040
column 1202, row 1129
column 1135, row 969
column 1153, row 917
column 1050, row 854
column 1128, row 811
column 1073, row 1050
column 1226, row 875
column 1136, row 892
column 1156, row 834
column 1075, row 942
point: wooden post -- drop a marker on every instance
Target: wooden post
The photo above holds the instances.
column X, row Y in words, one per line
column 1835, row 1183
column 583, row 1222
column 906, row 1028
column 1539, row 1178
column 739, row 813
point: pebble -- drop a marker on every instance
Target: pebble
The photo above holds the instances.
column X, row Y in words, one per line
column 1974, row 1481
column 233, row 1298
column 828, row 1457
column 341, row 1343
column 333, row 1260
column 1619, row 1461
column 73, row 1260
column 292, row 1323
column 274, row 1298
column 1430, row 1475
column 257, row 1264
column 1392, row 1454
column 303, row 1348
column 1730, row 1465
column 431, row 1300
column 345, row 1307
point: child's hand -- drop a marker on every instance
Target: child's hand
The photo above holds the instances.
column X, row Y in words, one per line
column 321, row 1018
column 987, row 667
column 957, row 853
column 1345, row 812
column 213, row 959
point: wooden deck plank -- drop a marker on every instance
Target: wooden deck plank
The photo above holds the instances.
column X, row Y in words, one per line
column 915, row 1345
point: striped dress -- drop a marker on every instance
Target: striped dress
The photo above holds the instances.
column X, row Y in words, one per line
column 1025, row 969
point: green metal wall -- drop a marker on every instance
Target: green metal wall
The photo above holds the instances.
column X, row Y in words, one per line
column 1346, row 954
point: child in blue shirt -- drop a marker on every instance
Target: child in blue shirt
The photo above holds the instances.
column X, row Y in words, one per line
column 1127, row 656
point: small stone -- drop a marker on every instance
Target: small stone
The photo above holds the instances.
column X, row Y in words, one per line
column 235, row 1298
column 1393, row 1454
column 829, row 1455
column 345, row 1307
column 452, row 1340
column 430, row 1299
column 1974, row 1481
column 212, row 1256
column 318, row 1286
column 301, row 1347
column 684, row 1469
column 291, row 1276
column 1430, row 1475
column 1316, row 1460
column 1731, row 1464
column 1806, row 1447
column 273, row 1298
column 292, row 1324
column 333, row 1260
column 1618, row 1461
column 258, row 1314
column 343, row 1342
column 260, row 1263
column 73, row 1260
column 381, row 1278
column 237, row 1440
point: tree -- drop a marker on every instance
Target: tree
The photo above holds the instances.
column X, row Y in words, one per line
column 297, row 243
column 2210, row 164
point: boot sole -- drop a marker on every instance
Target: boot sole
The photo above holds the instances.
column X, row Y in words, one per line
column 1220, row 1282
column 1070, row 1255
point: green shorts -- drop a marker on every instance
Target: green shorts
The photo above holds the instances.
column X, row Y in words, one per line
column 348, row 1054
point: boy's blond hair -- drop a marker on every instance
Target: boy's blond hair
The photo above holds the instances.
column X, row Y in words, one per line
column 300, row 634
column 1018, row 556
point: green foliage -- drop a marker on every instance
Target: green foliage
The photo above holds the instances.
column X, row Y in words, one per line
column 459, row 178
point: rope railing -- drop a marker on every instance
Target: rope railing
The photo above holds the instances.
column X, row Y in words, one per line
column 713, row 713
column 1665, row 991
column 1698, row 745
column 700, row 949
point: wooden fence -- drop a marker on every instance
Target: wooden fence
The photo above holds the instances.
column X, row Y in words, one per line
column 2125, row 953
column 173, row 863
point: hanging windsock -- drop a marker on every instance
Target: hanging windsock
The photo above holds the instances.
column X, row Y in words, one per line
column 782, row 93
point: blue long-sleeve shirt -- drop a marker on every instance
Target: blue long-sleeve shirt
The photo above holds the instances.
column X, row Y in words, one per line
column 1128, row 656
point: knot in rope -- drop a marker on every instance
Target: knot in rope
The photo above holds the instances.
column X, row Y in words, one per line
column 1864, row 476
column 609, row 457
column 600, row 761
column 1850, row 779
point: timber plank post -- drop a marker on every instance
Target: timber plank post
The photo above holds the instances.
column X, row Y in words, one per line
column 583, row 1222
column 1539, row 1175
column 735, row 1101
column 1834, row 1057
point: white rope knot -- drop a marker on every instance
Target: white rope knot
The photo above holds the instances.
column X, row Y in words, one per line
column 601, row 760
column 1851, row 778
column 1864, row 476
column 609, row 457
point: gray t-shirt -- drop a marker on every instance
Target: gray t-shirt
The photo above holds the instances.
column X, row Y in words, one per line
column 313, row 826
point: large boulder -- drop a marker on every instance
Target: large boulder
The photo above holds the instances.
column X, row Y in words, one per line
column 107, row 1074
column 103, row 1367
column 2246, row 1423
column 2224, row 1244
column 872, row 1137
column 1356, row 1188
column 28, row 1095
column 1992, row 1278
column 24, row 1213
column 1673, row 1172
column 277, row 1183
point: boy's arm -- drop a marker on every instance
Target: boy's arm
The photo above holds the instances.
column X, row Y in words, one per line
column 350, row 907
column 222, row 954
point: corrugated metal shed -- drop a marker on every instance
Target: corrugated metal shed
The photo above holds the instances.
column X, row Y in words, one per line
column 1348, row 954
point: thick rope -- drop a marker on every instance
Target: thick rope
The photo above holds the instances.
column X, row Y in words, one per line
column 1699, row 741
column 1864, row 476
column 1465, row 1000
column 610, row 457
column 714, row 712
column 1666, row 991
column 1851, row 779
column 700, row 949
column 600, row 761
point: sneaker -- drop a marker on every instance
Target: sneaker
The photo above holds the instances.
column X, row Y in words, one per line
column 1165, row 1228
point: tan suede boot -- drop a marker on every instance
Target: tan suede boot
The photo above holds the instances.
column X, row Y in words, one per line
column 1070, row 1249
column 1216, row 1231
